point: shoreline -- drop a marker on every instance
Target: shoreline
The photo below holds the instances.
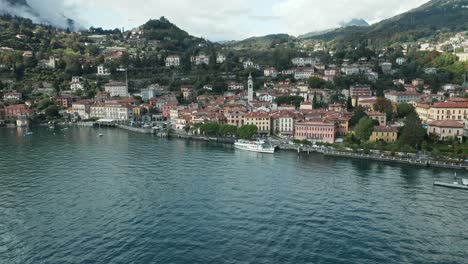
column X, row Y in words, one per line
column 299, row 150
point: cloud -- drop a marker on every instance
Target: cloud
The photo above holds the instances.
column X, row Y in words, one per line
column 301, row 16
column 219, row 19
column 264, row 18
column 53, row 12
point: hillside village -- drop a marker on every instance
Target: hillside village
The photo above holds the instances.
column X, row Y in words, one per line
column 402, row 97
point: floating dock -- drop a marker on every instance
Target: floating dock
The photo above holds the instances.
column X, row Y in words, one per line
column 451, row 185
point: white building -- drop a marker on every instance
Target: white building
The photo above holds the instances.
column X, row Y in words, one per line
column 248, row 64
column 201, row 59
column 462, row 56
column 220, row 58
column 120, row 112
column 233, row 86
column 76, row 84
column 102, row 71
column 304, row 61
column 81, row 108
column 12, row 96
column 116, row 89
column 403, row 97
column 173, row 61
column 270, row 72
column 400, row 61
column 266, row 98
column 303, row 73
column 150, row 92
column 386, row 67
column 51, row 63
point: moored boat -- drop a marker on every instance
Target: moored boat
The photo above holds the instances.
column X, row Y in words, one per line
column 259, row 146
column 456, row 185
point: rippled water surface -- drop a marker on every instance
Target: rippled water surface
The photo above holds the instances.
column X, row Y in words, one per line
column 71, row 197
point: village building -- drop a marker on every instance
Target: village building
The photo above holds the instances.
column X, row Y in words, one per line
column 172, row 61
column 116, row 89
column 403, row 97
column 446, row 129
column 102, row 71
column 118, row 112
column 259, row 119
column 270, row 72
column 220, row 58
column 235, row 118
column 378, row 116
column 12, row 96
column 76, row 84
column 315, row 131
column 384, row 133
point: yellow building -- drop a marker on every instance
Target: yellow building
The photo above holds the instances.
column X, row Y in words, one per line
column 422, row 110
column 384, row 133
column 450, row 110
column 259, row 119
column 378, row 116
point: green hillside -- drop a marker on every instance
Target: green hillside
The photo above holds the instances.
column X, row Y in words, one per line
column 437, row 16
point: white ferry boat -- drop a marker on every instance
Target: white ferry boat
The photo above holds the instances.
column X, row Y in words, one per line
column 259, row 146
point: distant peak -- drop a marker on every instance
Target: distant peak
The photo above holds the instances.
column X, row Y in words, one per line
column 355, row 22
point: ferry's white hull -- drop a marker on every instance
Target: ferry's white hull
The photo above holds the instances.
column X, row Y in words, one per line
column 254, row 149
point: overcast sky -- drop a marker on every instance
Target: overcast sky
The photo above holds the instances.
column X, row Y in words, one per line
column 229, row 19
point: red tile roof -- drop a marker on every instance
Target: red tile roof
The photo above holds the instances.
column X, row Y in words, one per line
column 451, row 105
column 385, row 129
column 447, row 123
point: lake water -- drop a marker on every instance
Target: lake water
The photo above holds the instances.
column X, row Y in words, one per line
column 68, row 196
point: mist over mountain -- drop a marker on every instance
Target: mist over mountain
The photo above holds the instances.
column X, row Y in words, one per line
column 356, row 22
column 50, row 12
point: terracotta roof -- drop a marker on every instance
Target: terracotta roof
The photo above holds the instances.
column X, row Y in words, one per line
column 115, row 84
column 385, row 129
column 446, row 123
column 403, row 93
column 316, row 123
column 374, row 113
column 257, row 115
column 451, row 105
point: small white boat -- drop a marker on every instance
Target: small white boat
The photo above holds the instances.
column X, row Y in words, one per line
column 465, row 182
column 259, row 146
column 28, row 134
column 100, row 134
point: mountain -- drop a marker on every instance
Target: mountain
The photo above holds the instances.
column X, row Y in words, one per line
column 424, row 21
column 170, row 36
column 262, row 43
column 355, row 22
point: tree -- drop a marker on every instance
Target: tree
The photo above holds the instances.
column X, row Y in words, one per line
column 247, row 131
column 315, row 82
column 349, row 104
column 358, row 114
column 228, row 130
column 314, row 101
column 364, row 129
column 404, row 110
column 294, row 100
column 52, row 112
column 383, row 105
column 412, row 133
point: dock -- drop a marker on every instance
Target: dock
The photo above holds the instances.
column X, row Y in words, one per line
column 451, row 185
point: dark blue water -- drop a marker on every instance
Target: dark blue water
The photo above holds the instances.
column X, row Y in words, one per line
column 71, row 197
